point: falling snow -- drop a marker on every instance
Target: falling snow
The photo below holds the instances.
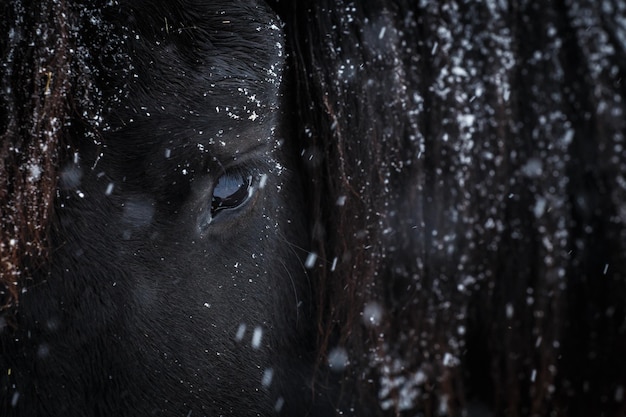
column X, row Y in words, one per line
column 482, row 189
column 257, row 336
column 338, row 359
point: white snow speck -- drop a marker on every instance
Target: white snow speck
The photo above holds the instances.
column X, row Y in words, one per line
column 533, row 168
column 241, row 331
column 138, row 211
column 459, row 72
column 15, row 399
column 338, row 359
column 372, row 314
column 466, row 120
column 34, row 172
column 540, row 207
column 381, row 34
column 43, row 351
column 450, row 360
column 268, row 375
column 70, row 177
column 280, row 402
column 509, row 311
column 310, row 260
column 257, row 336
column 568, row 137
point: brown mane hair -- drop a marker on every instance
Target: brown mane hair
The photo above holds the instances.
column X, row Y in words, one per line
column 35, row 84
column 57, row 58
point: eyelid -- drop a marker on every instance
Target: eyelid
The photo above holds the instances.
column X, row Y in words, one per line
column 241, row 165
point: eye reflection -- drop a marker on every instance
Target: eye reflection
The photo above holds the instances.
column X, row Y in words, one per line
column 230, row 192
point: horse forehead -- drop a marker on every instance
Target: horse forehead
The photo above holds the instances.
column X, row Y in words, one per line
column 220, row 49
column 218, row 129
column 210, row 77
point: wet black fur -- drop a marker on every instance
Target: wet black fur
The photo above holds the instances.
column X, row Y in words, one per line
column 138, row 308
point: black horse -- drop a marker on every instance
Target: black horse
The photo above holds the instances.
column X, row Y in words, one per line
column 313, row 208
column 173, row 281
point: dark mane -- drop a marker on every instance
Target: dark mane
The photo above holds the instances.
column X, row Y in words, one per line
column 467, row 167
column 52, row 80
column 35, row 103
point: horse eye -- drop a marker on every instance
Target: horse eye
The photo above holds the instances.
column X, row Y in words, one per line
column 230, row 192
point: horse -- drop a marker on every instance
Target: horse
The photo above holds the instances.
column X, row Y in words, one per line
column 172, row 271
column 320, row 208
